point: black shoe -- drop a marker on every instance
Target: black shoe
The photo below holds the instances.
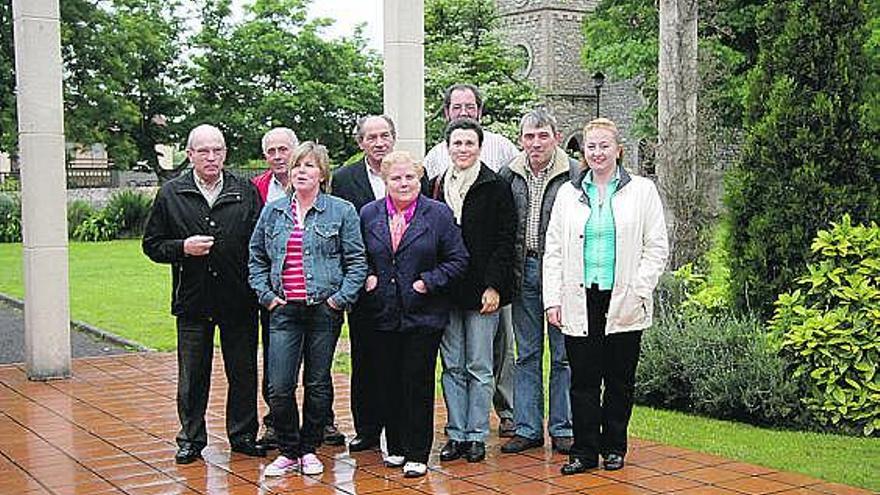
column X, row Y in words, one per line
column 332, row 436
column 506, row 428
column 269, row 440
column 518, row 444
column 453, row 450
column 612, row 462
column 562, row 444
column 577, row 466
column 476, row 452
column 187, row 455
column 360, row 443
column 249, row 447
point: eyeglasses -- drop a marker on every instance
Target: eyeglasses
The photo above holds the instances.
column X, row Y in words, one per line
column 206, row 152
column 470, row 107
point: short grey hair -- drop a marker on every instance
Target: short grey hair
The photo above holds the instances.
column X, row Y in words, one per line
column 538, row 117
column 288, row 133
column 359, row 135
column 203, row 127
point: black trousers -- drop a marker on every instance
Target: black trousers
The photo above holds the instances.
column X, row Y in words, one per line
column 600, row 419
column 195, row 355
column 366, row 357
column 406, row 373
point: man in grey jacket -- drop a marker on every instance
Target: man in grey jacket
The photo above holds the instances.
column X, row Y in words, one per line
column 535, row 176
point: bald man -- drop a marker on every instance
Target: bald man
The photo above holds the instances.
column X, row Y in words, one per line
column 200, row 224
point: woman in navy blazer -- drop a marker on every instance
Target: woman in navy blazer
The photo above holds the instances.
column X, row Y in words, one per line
column 415, row 251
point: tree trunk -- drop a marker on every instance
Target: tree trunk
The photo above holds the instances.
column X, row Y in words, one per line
column 677, row 160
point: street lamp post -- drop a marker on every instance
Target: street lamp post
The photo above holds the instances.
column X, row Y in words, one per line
column 598, row 81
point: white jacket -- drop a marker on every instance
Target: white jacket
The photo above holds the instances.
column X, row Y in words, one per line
column 641, row 250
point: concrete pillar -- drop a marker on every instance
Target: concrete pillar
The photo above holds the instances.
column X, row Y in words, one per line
column 404, row 23
column 43, row 187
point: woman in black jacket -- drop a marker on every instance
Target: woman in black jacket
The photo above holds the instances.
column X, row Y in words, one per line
column 483, row 205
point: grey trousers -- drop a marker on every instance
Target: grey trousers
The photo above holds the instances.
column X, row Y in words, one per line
column 503, row 364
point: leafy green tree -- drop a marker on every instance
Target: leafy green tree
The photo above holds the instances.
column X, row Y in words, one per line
column 462, row 45
column 810, row 154
column 275, row 68
column 122, row 75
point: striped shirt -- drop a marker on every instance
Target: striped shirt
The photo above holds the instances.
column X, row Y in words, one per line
column 496, row 152
column 536, row 197
column 293, row 278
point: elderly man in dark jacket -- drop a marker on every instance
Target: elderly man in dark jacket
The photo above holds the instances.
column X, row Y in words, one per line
column 200, row 224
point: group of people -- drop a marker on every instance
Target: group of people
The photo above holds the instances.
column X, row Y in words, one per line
column 462, row 256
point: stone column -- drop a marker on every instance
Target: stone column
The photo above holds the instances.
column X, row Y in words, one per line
column 43, row 183
column 405, row 72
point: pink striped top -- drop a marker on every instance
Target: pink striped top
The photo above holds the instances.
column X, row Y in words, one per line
column 293, row 277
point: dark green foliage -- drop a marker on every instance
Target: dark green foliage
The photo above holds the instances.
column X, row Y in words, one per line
column 830, row 331
column 462, row 45
column 811, row 153
column 719, row 366
column 275, row 68
column 132, row 209
column 78, row 211
column 98, row 227
column 10, row 218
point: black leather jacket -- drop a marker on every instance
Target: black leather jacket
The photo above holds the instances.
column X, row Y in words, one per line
column 214, row 285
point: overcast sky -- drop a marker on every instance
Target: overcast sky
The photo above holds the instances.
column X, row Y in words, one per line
column 348, row 14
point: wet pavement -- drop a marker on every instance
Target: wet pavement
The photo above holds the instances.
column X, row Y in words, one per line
column 110, row 430
column 12, row 339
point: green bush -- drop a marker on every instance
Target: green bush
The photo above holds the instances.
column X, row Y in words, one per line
column 831, row 330
column 10, row 218
column 10, row 185
column 720, row 366
column 810, row 152
column 132, row 208
column 100, row 226
column 78, row 211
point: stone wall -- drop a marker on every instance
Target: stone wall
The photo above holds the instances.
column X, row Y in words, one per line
column 98, row 197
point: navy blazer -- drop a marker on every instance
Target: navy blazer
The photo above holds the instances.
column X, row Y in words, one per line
column 431, row 249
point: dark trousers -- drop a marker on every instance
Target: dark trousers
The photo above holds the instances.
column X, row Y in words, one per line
column 406, row 373
column 264, row 337
column 366, row 357
column 195, row 355
column 301, row 335
column 600, row 419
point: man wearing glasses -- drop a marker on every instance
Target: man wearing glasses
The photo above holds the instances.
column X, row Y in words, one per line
column 200, row 224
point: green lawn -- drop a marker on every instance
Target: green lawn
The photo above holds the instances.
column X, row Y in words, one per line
column 112, row 286
column 115, row 287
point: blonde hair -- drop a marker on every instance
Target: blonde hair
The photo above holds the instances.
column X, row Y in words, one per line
column 606, row 124
column 400, row 157
column 318, row 152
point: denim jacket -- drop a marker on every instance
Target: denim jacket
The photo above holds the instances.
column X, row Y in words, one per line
column 334, row 262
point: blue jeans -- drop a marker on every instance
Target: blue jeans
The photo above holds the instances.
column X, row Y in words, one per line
column 468, row 383
column 528, row 325
column 304, row 335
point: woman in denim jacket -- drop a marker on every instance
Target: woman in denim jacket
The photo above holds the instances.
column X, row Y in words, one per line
column 307, row 264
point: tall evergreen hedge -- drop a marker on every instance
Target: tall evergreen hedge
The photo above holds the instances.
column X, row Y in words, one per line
column 811, row 152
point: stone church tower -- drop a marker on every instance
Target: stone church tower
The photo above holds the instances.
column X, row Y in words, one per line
column 549, row 36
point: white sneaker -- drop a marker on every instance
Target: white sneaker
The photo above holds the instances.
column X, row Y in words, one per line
column 281, row 466
column 414, row 469
column 310, row 464
column 394, row 461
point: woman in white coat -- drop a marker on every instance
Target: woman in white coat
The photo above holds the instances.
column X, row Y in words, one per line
column 606, row 248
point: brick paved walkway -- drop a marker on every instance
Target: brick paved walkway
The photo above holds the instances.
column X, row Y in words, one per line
column 110, row 430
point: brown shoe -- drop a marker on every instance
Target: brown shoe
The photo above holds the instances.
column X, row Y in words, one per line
column 562, row 444
column 506, row 428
